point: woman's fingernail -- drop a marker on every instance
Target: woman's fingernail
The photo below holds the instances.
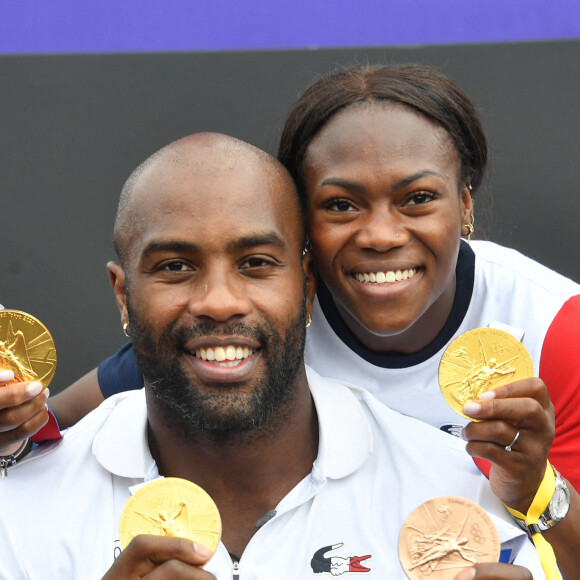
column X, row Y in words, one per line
column 33, row 389
column 468, row 574
column 471, row 408
column 6, row 376
column 462, row 434
column 487, row 395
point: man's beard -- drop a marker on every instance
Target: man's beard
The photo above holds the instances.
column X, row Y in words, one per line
column 188, row 408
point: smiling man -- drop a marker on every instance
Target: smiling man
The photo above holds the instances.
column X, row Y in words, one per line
column 216, row 292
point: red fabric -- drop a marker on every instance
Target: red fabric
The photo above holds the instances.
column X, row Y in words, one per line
column 484, row 465
column 49, row 431
column 560, row 371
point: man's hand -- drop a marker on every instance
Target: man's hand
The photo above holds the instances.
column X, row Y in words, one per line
column 161, row 558
column 23, row 411
column 522, row 407
column 494, row 572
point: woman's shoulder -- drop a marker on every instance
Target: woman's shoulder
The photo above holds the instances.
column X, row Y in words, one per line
column 512, row 265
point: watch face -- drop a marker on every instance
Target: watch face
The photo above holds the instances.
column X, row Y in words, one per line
column 560, row 503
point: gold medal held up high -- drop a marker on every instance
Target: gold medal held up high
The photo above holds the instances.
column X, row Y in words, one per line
column 445, row 535
column 26, row 347
column 171, row 506
column 480, row 360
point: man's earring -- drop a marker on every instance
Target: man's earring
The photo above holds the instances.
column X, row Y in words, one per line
column 308, row 320
column 125, row 326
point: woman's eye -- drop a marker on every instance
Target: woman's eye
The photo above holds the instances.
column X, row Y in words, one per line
column 340, row 205
column 420, row 198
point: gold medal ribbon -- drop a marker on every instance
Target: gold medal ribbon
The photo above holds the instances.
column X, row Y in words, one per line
column 539, row 505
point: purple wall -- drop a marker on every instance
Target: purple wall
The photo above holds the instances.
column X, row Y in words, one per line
column 74, row 26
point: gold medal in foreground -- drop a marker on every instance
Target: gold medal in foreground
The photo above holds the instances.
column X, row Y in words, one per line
column 445, row 535
column 480, row 360
column 171, row 506
column 26, row 347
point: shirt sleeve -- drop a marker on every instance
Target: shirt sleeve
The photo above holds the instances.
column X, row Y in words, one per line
column 560, row 371
column 119, row 372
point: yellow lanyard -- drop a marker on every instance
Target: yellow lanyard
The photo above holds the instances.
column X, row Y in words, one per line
column 539, row 505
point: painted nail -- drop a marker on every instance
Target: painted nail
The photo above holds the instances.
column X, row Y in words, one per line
column 471, row 408
column 487, row 396
column 6, row 375
column 468, row 574
column 33, row 389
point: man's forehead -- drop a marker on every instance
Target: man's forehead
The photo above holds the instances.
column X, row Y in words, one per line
column 209, row 191
column 188, row 186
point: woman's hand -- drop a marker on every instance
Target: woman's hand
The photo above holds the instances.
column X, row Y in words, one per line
column 514, row 431
column 495, row 572
column 23, row 411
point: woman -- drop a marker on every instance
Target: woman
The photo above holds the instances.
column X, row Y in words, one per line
column 388, row 181
column 386, row 160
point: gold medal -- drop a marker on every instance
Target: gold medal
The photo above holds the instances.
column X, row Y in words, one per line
column 171, row 506
column 480, row 360
column 443, row 536
column 26, row 347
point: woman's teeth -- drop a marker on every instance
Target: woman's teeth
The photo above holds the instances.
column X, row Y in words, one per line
column 385, row 277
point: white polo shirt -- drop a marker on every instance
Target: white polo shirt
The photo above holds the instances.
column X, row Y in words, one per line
column 59, row 515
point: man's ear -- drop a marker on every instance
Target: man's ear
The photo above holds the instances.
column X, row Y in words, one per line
column 117, row 278
column 310, row 275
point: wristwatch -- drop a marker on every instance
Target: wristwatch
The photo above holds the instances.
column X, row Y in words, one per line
column 556, row 510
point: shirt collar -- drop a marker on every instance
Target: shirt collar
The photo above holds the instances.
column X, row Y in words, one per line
column 345, row 438
column 121, row 445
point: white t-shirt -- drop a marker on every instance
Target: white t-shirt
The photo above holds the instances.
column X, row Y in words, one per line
column 496, row 286
column 374, row 467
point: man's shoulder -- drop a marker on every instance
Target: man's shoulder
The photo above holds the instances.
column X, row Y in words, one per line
column 76, row 445
column 352, row 407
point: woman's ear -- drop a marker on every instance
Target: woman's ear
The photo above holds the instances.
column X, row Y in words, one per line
column 310, row 276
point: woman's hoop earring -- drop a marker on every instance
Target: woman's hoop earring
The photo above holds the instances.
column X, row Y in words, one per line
column 470, row 229
column 125, row 326
column 308, row 320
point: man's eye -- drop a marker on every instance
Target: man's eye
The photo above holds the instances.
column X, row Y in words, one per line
column 176, row 266
column 255, row 263
column 340, row 205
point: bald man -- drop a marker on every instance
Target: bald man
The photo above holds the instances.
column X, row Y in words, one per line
column 310, row 476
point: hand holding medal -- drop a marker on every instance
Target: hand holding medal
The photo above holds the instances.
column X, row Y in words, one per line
column 478, row 361
column 171, row 506
column 26, row 347
column 487, row 376
column 27, row 365
column 156, row 525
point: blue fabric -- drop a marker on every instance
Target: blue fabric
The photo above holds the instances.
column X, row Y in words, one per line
column 119, row 372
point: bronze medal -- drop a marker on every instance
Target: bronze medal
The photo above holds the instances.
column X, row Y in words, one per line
column 26, row 347
column 171, row 506
column 445, row 535
column 480, row 360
